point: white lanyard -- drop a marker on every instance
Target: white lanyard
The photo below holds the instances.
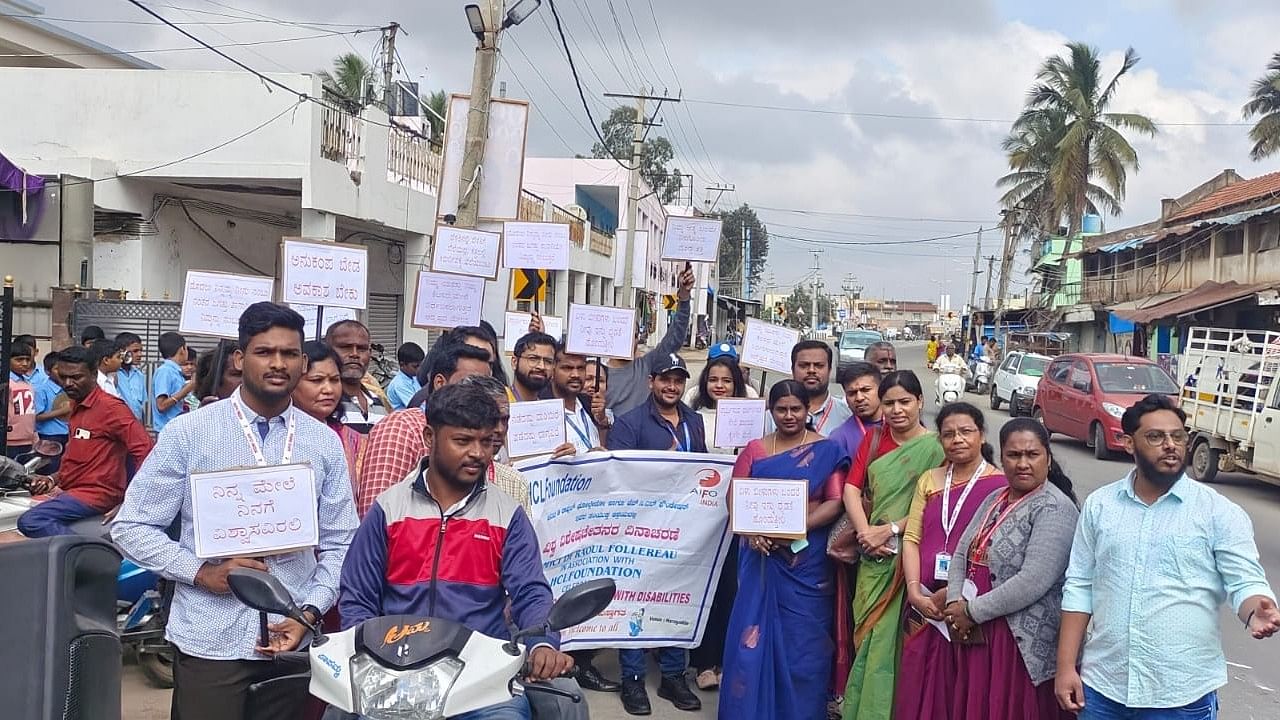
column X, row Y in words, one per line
column 251, row 436
column 583, row 432
column 949, row 518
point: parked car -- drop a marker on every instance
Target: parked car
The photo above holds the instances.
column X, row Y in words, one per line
column 1015, row 381
column 854, row 344
column 1083, row 396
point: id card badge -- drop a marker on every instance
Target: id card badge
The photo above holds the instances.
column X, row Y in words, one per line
column 941, row 566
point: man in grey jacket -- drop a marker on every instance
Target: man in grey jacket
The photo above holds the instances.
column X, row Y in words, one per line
column 629, row 379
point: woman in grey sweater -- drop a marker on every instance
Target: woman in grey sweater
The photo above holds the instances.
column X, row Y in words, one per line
column 1004, row 590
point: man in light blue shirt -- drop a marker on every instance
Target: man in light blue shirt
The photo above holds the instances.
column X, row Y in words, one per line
column 169, row 386
column 405, row 384
column 1154, row 557
column 131, row 379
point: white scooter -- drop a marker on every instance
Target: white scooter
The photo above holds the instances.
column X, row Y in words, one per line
column 950, row 385
column 981, row 382
column 404, row 666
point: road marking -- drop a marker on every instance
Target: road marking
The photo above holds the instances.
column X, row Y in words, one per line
column 1246, row 667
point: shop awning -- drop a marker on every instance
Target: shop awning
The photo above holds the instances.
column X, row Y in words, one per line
column 1205, row 297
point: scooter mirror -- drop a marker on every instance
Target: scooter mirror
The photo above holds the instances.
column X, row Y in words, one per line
column 261, row 591
column 581, row 603
column 48, row 448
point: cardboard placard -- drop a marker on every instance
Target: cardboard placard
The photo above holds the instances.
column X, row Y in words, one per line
column 466, row 252
column 537, row 427
column 243, row 512
column 773, row 508
column 768, row 346
column 693, row 239
column 739, row 421
column 599, row 331
column 212, row 302
column 331, row 315
column 517, row 326
column 535, row 245
column 324, row 273
column 441, row 300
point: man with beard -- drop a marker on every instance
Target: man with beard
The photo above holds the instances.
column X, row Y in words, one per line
column 220, row 651
column 101, row 435
column 811, row 367
column 446, row 502
column 363, row 401
column 567, row 383
column 535, row 357
column 883, row 355
column 664, row 423
column 1154, row 556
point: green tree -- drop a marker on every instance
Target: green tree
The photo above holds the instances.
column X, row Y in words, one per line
column 439, row 102
column 1265, row 105
column 799, row 306
column 655, row 153
column 1071, row 102
column 732, row 223
column 351, row 77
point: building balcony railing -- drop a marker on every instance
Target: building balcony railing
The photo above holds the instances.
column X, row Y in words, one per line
column 601, row 243
column 339, row 136
column 576, row 229
column 413, row 161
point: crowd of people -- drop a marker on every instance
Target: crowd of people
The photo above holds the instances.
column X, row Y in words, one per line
column 938, row 578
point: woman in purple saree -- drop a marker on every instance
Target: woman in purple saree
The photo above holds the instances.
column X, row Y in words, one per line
column 778, row 651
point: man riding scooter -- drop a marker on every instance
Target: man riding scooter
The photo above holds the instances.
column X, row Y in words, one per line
column 952, row 370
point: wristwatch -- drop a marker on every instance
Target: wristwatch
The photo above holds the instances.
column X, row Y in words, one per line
column 897, row 530
column 313, row 612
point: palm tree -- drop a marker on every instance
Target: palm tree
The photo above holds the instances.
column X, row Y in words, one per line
column 1265, row 106
column 439, row 102
column 351, row 77
column 1070, row 103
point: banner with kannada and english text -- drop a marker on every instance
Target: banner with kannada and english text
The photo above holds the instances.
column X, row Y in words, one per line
column 655, row 522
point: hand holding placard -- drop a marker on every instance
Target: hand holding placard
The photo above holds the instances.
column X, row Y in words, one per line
column 694, row 239
column 598, row 331
column 536, row 427
column 768, row 346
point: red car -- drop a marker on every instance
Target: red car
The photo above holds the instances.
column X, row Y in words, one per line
column 1083, row 396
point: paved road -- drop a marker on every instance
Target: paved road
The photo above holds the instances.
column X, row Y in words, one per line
column 1254, row 688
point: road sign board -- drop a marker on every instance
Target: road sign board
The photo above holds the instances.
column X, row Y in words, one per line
column 528, row 284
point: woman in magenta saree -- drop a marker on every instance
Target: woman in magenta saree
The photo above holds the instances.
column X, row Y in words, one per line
column 779, row 648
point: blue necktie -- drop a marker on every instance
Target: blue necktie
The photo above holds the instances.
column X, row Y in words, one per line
column 264, row 426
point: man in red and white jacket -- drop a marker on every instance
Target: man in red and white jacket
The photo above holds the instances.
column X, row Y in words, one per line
column 446, row 543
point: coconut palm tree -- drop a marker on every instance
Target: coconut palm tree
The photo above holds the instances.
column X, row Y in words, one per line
column 438, row 102
column 351, row 77
column 1071, row 102
column 1265, row 106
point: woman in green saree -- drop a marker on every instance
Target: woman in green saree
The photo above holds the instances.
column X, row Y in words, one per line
column 877, row 496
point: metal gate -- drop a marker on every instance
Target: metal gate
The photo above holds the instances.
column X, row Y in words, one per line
column 148, row 319
column 383, row 317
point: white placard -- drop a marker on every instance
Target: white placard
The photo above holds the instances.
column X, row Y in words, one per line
column 598, row 331
column 324, row 273
column 738, row 421
column 447, row 301
column 535, row 245
column 537, row 427
column 517, row 326
column 503, row 167
column 640, row 260
column 695, row 239
column 768, row 346
column 466, row 252
column 257, row 511
column 331, row 315
column 775, row 508
column 212, row 302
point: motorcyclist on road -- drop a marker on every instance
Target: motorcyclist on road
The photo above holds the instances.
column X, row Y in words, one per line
column 951, row 363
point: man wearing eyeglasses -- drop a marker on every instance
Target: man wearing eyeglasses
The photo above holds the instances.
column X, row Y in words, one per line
column 535, row 357
column 1154, row 556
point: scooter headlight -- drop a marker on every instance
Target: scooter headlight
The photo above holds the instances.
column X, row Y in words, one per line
column 418, row 694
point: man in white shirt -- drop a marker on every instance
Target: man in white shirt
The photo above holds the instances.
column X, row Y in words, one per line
column 811, row 366
column 951, row 363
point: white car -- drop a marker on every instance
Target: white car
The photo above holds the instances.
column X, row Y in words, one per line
column 1015, row 381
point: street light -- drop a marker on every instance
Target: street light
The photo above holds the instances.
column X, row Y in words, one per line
column 520, row 12
column 475, row 18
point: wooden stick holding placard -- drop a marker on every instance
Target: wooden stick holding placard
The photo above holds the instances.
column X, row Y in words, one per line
column 319, row 322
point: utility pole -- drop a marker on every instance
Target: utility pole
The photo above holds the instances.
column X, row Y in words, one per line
column 633, row 194
column 991, row 263
column 1011, row 224
column 973, row 284
column 719, row 189
column 746, row 262
column 817, row 281
column 486, row 65
column 389, row 64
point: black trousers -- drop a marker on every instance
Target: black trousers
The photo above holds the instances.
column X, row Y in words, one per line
column 219, row 689
column 710, row 654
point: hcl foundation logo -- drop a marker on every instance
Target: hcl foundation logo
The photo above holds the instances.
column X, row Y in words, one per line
column 708, row 490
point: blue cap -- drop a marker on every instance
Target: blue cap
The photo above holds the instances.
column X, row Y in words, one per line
column 722, row 350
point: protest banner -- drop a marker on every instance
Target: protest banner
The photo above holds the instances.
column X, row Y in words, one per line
column 738, row 421
column 663, row 540
column 517, row 326
column 245, row 512
column 466, row 252
column 213, row 301
column 693, row 239
column 324, row 273
column 536, row 428
column 599, row 331
column 441, row 300
column 331, row 315
column 535, row 245
column 768, row 347
column 773, row 508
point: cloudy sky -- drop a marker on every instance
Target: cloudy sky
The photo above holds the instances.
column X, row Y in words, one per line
column 820, row 166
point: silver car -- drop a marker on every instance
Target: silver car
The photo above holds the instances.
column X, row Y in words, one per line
column 854, row 343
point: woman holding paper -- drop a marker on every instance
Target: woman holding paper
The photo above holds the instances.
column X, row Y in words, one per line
column 721, row 378
column 888, row 464
column 777, row 659
column 946, row 500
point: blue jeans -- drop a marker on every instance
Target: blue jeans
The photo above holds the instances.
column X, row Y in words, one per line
column 54, row 517
column 1099, row 707
column 672, row 661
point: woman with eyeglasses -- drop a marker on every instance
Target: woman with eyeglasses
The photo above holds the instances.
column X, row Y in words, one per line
column 1004, row 591
column 945, row 502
